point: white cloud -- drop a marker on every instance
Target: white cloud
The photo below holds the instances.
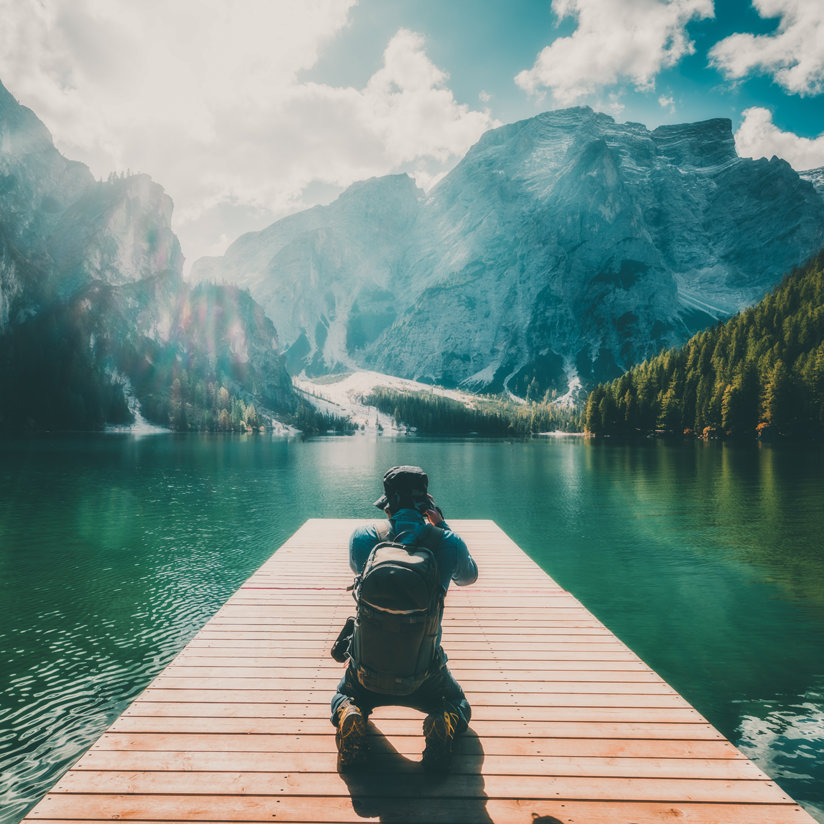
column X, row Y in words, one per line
column 758, row 137
column 615, row 41
column 408, row 103
column 207, row 97
column 667, row 102
column 612, row 105
column 793, row 55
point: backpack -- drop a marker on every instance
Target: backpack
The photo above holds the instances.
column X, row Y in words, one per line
column 399, row 601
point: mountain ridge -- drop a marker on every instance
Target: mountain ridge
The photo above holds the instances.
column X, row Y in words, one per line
column 563, row 247
column 560, row 249
column 94, row 311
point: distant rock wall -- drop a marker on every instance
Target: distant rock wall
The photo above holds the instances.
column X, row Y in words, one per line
column 564, row 246
column 91, row 291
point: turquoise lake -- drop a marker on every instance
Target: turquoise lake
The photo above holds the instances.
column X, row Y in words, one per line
column 707, row 559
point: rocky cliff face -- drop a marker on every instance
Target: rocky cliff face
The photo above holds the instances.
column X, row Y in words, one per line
column 328, row 276
column 92, row 299
column 560, row 248
column 36, row 186
column 816, row 177
column 62, row 230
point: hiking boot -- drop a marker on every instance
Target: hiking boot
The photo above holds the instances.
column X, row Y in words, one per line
column 351, row 737
column 439, row 729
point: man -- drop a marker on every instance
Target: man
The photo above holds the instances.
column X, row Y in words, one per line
column 412, row 513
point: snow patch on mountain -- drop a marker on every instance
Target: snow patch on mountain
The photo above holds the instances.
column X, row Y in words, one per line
column 576, row 393
column 344, row 395
column 816, row 177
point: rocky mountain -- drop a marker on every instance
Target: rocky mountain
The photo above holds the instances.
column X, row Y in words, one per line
column 816, row 177
column 329, row 275
column 94, row 312
column 561, row 249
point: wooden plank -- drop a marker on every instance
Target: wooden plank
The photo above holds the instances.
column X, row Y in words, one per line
column 488, row 699
column 620, row 670
column 413, row 743
column 561, row 681
column 474, row 687
column 450, row 632
column 583, row 646
column 514, row 638
column 165, row 709
column 436, row 810
column 314, row 725
column 487, row 647
column 569, row 725
column 411, row 783
column 299, row 762
column 208, row 656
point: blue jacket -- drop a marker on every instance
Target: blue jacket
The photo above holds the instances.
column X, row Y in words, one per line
column 454, row 561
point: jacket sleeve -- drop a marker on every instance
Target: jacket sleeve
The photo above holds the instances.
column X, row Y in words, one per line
column 466, row 570
column 360, row 545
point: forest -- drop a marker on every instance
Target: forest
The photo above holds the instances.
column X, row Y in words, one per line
column 758, row 374
column 51, row 380
column 54, row 379
column 435, row 414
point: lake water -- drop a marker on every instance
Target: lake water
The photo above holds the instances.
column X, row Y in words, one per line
column 706, row 559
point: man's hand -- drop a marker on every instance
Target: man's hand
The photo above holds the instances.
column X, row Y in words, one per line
column 433, row 512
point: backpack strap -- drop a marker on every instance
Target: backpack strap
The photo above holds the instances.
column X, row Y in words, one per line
column 430, row 539
column 384, row 532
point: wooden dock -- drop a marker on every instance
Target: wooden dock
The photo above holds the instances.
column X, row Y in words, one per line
column 569, row 726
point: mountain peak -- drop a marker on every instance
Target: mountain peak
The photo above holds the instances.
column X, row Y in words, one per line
column 21, row 131
column 705, row 143
column 383, row 184
column 560, row 248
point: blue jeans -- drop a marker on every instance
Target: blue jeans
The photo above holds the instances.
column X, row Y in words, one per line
column 439, row 692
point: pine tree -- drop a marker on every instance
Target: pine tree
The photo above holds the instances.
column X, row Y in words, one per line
column 765, row 365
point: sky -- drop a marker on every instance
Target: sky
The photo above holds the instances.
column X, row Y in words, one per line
column 248, row 110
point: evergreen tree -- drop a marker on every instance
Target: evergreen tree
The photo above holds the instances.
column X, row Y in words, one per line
column 763, row 366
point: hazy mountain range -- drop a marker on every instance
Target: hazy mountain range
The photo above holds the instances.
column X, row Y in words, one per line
column 560, row 250
column 94, row 312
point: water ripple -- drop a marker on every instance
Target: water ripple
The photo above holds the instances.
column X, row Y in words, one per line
column 786, row 738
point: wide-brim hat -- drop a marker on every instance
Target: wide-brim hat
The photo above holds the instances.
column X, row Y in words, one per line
column 405, row 481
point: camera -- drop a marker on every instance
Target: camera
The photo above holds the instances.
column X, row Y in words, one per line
column 427, row 504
